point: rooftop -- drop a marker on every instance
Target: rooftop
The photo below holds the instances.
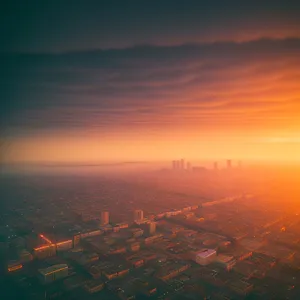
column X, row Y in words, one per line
column 224, row 258
column 52, row 269
column 206, row 253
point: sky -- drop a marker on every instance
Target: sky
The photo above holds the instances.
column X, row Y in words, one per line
column 149, row 80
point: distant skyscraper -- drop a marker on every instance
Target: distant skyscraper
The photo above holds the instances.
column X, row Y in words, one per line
column 182, row 164
column 215, row 166
column 138, row 215
column 188, row 166
column 174, row 164
column 104, row 218
column 229, row 164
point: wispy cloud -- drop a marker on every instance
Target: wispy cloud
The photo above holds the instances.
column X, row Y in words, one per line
column 218, row 85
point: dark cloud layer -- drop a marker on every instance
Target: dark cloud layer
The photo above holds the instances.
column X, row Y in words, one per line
column 150, row 86
column 43, row 26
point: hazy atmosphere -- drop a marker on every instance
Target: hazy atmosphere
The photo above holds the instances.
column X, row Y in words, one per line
column 131, row 81
column 149, row 150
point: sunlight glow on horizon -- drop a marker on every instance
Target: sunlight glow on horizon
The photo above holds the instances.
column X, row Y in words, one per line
column 90, row 148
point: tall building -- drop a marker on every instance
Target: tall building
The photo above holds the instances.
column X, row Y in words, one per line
column 181, row 164
column 104, row 218
column 53, row 273
column 228, row 163
column 138, row 215
column 188, row 166
column 152, row 227
column 174, row 164
column 215, row 166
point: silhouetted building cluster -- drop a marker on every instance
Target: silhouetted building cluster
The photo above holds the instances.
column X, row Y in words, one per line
column 181, row 165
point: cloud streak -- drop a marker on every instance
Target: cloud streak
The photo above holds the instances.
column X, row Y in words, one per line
column 57, row 26
column 186, row 85
column 160, row 100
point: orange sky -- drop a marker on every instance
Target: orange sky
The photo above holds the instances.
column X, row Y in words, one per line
column 192, row 145
column 210, row 101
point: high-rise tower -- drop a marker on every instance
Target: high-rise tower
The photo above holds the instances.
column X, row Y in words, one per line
column 215, row 166
column 104, row 218
column 152, row 227
column 181, row 163
column 228, row 163
column 188, row 166
column 138, row 215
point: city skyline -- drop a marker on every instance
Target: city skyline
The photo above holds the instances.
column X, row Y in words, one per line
column 150, row 150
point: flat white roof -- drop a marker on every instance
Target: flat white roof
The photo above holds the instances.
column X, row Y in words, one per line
column 206, row 253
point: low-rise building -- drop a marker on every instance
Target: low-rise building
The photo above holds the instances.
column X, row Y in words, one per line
column 74, row 282
column 122, row 225
column 240, row 287
column 115, row 272
column 135, row 246
column 153, row 238
column 90, row 233
column 53, row 273
column 88, row 257
column 25, row 256
column 239, row 253
column 117, row 249
column 96, row 270
column 64, row 245
column 225, row 261
column 205, row 256
column 93, row 286
column 137, row 232
column 13, row 266
column 171, row 270
column 44, row 251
